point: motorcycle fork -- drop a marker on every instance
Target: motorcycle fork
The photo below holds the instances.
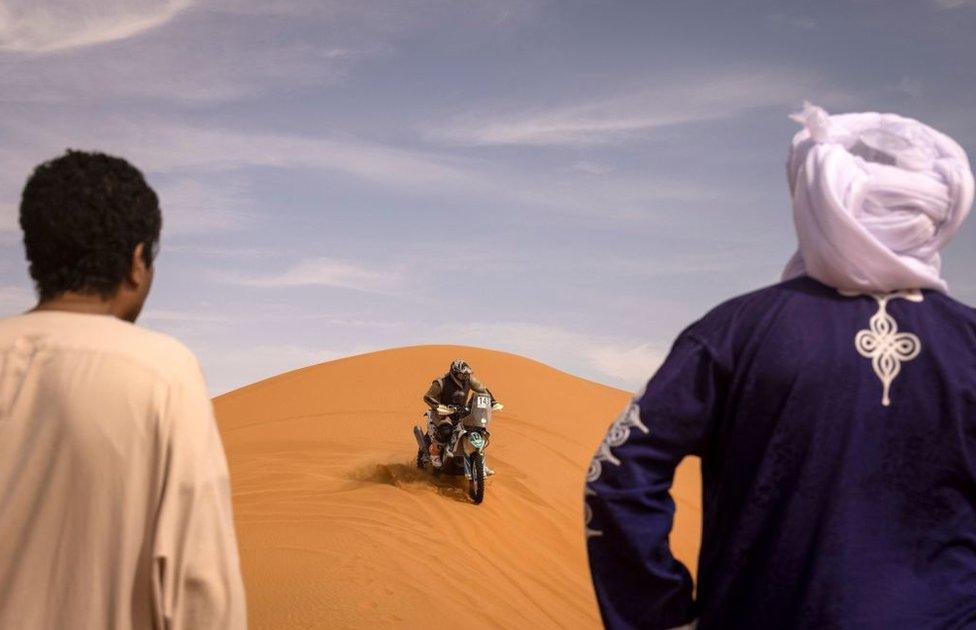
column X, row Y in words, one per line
column 449, row 449
column 470, row 450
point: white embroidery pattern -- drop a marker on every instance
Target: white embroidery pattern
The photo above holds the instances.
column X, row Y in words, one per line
column 884, row 345
column 590, row 533
column 618, row 433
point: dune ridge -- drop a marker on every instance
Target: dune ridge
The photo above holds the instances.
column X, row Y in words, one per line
column 338, row 529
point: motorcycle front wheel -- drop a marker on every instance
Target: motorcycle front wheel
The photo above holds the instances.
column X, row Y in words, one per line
column 476, row 487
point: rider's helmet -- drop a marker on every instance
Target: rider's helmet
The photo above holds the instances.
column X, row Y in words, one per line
column 460, row 370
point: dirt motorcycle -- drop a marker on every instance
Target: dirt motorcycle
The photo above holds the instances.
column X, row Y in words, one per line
column 463, row 450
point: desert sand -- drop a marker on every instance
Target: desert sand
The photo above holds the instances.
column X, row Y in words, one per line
column 338, row 529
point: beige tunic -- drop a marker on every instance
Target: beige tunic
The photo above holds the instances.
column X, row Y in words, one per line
column 115, row 504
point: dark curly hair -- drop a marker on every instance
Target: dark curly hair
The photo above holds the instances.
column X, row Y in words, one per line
column 83, row 214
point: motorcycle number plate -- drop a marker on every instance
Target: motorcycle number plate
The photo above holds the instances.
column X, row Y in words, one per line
column 483, row 402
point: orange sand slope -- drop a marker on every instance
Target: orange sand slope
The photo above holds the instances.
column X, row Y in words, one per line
column 338, row 529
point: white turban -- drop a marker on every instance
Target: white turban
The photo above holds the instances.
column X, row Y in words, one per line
column 875, row 197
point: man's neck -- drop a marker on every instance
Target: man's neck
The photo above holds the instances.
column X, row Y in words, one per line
column 79, row 303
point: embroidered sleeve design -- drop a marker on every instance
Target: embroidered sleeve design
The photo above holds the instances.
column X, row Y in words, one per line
column 590, row 533
column 618, row 433
column 884, row 345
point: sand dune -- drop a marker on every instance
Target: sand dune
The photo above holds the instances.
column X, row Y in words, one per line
column 338, row 529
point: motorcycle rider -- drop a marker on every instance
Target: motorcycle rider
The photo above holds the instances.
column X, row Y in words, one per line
column 452, row 389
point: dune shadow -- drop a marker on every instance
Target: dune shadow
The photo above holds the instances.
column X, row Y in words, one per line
column 401, row 475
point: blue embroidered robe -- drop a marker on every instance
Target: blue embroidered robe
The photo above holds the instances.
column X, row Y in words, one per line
column 838, row 444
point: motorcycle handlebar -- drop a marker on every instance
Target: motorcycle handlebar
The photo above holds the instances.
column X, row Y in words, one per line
column 450, row 410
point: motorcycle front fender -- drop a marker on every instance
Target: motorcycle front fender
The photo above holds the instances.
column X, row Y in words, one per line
column 474, row 443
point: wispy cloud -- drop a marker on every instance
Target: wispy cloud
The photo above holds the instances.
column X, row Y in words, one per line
column 172, row 150
column 270, row 312
column 44, row 26
column 191, row 204
column 212, row 57
column 911, row 87
column 163, row 70
column 194, row 206
column 13, row 169
column 590, row 167
column 8, row 218
column 167, row 147
column 382, row 16
column 628, row 116
column 183, row 316
column 954, row 4
column 186, row 158
column 223, row 50
column 213, row 251
column 230, row 368
column 631, row 365
column 791, row 20
column 618, row 361
column 324, row 272
column 623, row 362
column 15, row 299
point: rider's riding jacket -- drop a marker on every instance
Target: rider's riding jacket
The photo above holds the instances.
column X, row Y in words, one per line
column 447, row 390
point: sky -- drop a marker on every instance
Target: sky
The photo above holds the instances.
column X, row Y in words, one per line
column 572, row 181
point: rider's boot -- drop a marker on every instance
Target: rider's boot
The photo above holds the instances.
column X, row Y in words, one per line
column 434, row 452
column 488, row 471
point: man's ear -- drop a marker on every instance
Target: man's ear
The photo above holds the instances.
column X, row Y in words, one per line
column 138, row 271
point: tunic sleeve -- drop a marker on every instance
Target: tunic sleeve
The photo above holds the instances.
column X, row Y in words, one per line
column 629, row 508
column 196, row 579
